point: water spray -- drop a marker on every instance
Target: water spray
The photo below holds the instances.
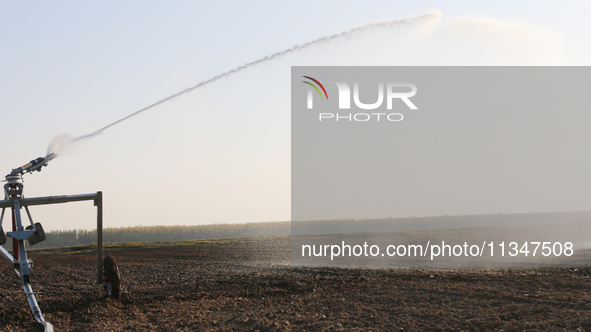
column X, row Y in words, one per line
column 64, row 140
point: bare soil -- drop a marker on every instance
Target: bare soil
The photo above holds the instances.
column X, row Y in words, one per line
column 248, row 285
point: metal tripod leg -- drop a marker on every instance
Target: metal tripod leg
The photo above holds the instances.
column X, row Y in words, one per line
column 23, row 270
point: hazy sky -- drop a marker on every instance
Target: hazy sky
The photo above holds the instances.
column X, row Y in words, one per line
column 222, row 153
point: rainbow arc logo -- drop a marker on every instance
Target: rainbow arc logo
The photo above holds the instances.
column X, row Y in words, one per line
column 316, row 87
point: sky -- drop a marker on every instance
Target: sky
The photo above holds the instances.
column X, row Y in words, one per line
column 220, row 154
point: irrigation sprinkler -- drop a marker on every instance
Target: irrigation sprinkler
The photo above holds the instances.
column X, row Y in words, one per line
column 34, row 233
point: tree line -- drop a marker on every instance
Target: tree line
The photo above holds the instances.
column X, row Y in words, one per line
column 66, row 238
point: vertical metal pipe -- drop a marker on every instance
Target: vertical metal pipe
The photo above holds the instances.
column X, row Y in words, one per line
column 2, row 216
column 14, row 227
column 14, row 241
column 99, row 232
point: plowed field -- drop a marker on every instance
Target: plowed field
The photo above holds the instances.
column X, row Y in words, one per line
column 248, row 285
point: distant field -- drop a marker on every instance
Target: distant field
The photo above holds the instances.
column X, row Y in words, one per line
column 115, row 246
column 560, row 220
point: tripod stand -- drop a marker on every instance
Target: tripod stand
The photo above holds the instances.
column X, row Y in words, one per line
column 34, row 233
